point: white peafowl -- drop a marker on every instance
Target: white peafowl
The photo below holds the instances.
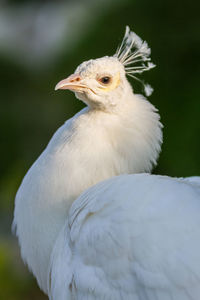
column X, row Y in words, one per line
column 127, row 237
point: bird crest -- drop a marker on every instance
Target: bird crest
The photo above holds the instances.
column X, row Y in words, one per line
column 134, row 54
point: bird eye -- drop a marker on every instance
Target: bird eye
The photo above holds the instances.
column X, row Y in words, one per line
column 105, row 79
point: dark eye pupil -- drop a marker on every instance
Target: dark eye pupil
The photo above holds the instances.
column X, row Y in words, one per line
column 105, row 79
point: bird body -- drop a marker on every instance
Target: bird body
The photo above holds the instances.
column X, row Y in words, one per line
column 130, row 237
column 90, row 147
column 121, row 238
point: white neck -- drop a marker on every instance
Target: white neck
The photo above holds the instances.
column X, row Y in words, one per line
column 92, row 146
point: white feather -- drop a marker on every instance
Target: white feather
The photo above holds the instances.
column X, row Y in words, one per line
column 90, row 147
column 130, row 237
column 133, row 50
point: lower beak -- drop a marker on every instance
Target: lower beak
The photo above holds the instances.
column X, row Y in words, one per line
column 73, row 83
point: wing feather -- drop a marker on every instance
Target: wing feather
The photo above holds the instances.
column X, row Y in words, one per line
column 131, row 237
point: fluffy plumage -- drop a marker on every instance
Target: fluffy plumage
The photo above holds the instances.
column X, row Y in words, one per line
column 130, row 237
column 118, row 132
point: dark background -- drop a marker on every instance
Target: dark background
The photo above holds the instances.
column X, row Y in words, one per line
column 41, row 42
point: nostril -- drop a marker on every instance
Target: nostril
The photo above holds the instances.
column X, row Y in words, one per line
column 75, row 79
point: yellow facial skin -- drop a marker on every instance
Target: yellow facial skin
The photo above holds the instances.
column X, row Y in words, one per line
column 112, row 85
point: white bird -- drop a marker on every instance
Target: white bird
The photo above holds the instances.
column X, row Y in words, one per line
column 120, row 239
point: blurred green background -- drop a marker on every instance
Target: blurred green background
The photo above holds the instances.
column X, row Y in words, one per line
column 42, row 42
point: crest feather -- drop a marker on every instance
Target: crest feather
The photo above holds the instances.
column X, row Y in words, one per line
column 134, row 54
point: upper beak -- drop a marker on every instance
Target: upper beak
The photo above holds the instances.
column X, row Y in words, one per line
column 73, row 82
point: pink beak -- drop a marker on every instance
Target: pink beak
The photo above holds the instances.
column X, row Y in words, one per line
column 70, row 83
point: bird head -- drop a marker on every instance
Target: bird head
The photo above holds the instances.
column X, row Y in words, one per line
column 98, row 82
column 102, row 83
